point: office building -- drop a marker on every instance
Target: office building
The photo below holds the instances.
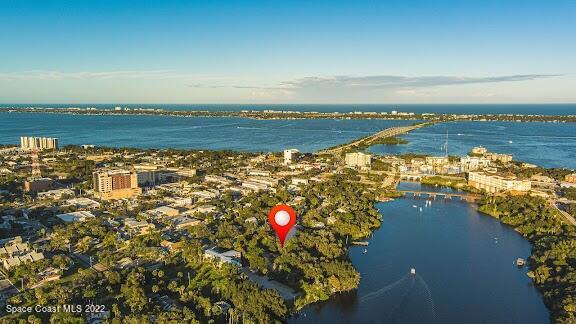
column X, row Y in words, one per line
column 39, row 143
column 495, row 183
column 116, row 184
column 358, row 160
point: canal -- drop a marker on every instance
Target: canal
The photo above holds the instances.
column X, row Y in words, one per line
column 464, row 262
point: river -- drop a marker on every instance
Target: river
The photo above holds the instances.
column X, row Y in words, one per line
column 464, row 270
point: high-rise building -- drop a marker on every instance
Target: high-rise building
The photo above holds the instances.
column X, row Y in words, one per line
column 290, row 155
column 116, row 184
column 358, row 160
column 40, row 143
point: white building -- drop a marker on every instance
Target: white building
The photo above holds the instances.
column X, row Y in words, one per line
column 231, row 257
column 77, row 216
column 358, row 160
column 494, row 183
column 56, row 194
column 290, row 155
column 473, row 163
column 479, row 150
column 40, row 143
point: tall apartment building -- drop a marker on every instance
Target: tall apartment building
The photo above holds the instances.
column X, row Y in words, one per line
column 358, row 160
column 290, row 155
column 40, row 143
column 495, row 183
column 116, row 184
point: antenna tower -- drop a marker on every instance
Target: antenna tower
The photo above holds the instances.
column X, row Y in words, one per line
column 36, row 173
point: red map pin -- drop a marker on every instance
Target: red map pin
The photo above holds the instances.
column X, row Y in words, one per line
column 282, row 218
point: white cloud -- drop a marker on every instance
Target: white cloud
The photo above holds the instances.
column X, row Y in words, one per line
column 86, row 75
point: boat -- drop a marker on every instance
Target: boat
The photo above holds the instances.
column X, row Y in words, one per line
column 510, row 142
column 365, row 251
column 414, row 206
column 413, row 271
column 520, row 262
column 363, row 243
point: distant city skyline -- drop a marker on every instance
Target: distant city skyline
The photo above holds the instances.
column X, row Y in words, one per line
column 263, row 52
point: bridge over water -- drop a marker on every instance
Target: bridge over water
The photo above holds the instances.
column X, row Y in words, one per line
column 470, row 197
column 388, row 132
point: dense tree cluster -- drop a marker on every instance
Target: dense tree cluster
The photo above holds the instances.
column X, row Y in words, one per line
column 553, row 260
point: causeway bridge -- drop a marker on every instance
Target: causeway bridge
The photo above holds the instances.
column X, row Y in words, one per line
column 388, row 132
column 469, row 197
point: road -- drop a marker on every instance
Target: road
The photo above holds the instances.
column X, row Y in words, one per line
column 569, row 218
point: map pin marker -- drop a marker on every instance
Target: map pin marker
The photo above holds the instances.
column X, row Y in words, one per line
column 282, row 218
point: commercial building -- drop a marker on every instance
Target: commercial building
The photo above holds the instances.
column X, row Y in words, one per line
column 37, row 185
column 40, row 143
column 116, row 184
column 77, row 216
column 358, row 160
column 290, row 155
column 495, row 183
column 56, row 194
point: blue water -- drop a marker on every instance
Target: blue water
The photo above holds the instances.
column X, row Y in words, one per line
column 188, row 133
column 541, row 109
column 544, row 144
column 464, row 265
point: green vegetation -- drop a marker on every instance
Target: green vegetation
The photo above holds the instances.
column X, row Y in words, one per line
column 569, row 193
column 389, row 141
column 450, row 182
column 553, row 259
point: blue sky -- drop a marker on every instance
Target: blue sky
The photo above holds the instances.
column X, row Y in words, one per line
column 334, row 51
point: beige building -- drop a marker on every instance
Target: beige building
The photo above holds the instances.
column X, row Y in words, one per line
column 472, row 163
column 495, row 183
column 15, row 252
column 570, row 178
column 504, row 158
column 358, row 160
column 479, row 150
column 116, row 184
column 40, row 143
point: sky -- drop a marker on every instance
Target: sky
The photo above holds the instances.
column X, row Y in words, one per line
column 232, row 51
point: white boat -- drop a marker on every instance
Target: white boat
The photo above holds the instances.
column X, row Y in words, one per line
column 413, row 271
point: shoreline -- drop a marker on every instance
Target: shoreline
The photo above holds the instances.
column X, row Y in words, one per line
column 293, row 115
